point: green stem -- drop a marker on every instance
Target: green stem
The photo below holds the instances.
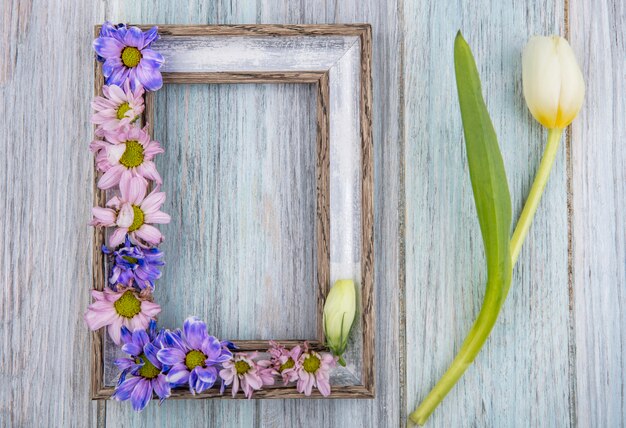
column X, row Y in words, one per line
column 494, row 296
column 532, row 202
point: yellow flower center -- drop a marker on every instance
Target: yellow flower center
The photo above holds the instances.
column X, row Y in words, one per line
column 242, row 367
column 121, row 110
column 287, row 365
column 131, row 56
column 127, row 305
column 133, row 155
column 137, row 219
column 194, row 359
column 130, row 259
column 311, row 364
column 148, row 370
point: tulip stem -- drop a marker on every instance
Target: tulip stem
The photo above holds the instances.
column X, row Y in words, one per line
column 539, row 185
column 494, row 297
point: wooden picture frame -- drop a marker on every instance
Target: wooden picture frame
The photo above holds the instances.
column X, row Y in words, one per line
column 337, row 59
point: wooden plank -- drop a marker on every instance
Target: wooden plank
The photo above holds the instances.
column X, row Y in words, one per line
column 598, row 205
column 322, row 212
column 367, row 210
column 263, row 29
column 252, row 53
column 218, row 77
column 45, row 180
column 522, row 376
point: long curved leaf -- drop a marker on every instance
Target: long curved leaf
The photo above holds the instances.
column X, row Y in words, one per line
column 493, row 207
column 489, row 183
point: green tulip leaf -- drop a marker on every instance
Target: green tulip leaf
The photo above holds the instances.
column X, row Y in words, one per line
column 489, row 183
column 493, row 207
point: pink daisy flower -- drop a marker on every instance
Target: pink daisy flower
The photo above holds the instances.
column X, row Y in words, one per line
column 125, row 307
column 132, row 213
column 315, row 372
column 127, row 152
column 285, row 362
column 118, row 108
column 242, row 371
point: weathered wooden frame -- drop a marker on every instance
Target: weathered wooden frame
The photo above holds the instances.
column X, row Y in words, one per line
column 337, row 58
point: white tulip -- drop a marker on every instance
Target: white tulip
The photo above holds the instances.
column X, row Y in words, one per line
column 553, row 83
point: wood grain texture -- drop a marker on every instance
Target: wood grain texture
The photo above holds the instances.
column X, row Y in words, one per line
column 220, row 77
column 322, row 212
column 45, row 255
column 598, row 205
column 522, row 375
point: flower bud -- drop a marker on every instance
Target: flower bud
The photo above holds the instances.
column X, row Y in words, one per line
column 553, row 83
column 339, row 312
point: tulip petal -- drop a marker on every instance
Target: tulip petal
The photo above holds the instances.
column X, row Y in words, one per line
column 541, row 76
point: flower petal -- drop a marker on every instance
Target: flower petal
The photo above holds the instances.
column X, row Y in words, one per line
column 107, row 47
column 323, row 386
column 99, row 319
column 125, row 389
column 171, row 356
column 119, row 74
column 140, row 338
column 134, row 37
column 141, row 395
column 126, row 216
column 136, row 190
column 153, row 202
column 148, row 170
column 124, row 363
column 103, row 216
column 132, row 349
column 154, row 59
column 111, row 177
column 150, row 309
column 117, row 237
column 151, row 352
column 178, row 375
column 158, row 217
column 195, row 332
column 149, row 77
column 114, row 330
column 161, row 387
column 149, row 36
column 150, row 234
column 207, row 374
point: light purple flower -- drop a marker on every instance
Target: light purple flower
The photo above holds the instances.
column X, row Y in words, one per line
column 118, row 107
column 194, row 356
column 127, row 152
column 124, row 307
column 242, row 371
column 133, row 213
column 126, row 54
column 285, row 362
column 142, row 373
column 315, row 371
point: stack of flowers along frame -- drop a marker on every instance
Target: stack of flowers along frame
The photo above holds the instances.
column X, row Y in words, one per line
column 133, row 357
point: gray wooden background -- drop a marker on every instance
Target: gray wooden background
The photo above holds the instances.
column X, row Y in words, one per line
column 557, row 356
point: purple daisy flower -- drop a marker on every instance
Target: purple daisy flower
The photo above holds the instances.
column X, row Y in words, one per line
column 194, row 356
column 126, row 54
column 134, row 263
column 143, row 373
